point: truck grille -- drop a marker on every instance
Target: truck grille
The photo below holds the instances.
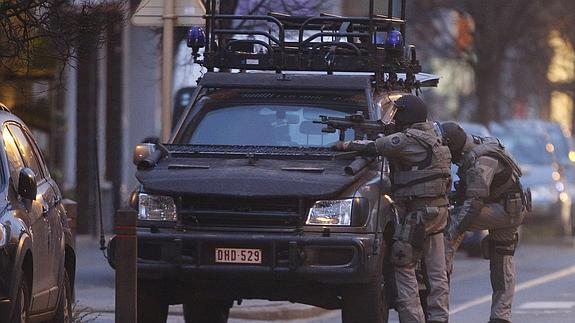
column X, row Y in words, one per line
column 261, row 213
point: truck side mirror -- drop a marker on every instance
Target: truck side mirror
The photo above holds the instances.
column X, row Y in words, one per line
column 143, row 151
column 27, row 187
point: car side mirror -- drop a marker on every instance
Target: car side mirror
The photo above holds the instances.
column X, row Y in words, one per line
column 143, row 151
column 27, row 187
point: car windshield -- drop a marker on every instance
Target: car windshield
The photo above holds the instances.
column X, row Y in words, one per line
column 265, row 125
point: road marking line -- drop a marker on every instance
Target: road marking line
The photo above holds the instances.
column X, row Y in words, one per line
column 528, row 284
column 545, row 305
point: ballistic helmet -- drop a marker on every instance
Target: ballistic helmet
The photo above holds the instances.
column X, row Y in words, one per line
column 410, row 109
column 454, row 137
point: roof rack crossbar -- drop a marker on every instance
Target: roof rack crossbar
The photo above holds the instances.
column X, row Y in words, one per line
column 229, row 45
column 304, row 43
column 338, row 44
column 275, row 21
column 380, row 23
column 250, row 32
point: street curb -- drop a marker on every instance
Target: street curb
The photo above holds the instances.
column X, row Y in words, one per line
column 272, row 312
column 276, row 312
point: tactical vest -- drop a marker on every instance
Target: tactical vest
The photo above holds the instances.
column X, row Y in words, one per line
column 503, row 182
column 428, row 178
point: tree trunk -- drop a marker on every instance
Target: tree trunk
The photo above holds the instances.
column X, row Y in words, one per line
column 87, row 121
column 114, row 109
column 488, row 92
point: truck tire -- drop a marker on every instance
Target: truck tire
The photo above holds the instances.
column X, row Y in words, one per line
column 152, row 308
column 64, row 311
column 207, row 311
column 364, row 303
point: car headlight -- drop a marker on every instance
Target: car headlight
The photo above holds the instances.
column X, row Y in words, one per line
column 156, row 208
column 3, row 235
column 330, row 212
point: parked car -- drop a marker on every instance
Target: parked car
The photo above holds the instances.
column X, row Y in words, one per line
column 530, row 144
column 37, row 257
column 564, row 149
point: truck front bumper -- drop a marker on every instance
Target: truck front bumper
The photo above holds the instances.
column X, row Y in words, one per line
column 340, row 258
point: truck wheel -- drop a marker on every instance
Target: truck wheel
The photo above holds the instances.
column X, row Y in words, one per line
column 21, row 303
column 64, row 312
column 151, row 306
column 207, row 311
column 366, row 303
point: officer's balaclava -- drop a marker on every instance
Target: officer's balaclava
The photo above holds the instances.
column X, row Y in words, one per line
column 455, row 138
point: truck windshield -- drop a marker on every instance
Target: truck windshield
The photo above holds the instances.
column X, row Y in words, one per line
column 265, row 125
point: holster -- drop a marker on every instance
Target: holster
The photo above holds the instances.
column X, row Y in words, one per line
column 409, row 236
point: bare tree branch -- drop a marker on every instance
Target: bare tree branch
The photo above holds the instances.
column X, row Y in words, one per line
column 33, row 32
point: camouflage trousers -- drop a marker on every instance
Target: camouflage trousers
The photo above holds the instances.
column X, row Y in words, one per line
column 502, row 241
column 432, row 252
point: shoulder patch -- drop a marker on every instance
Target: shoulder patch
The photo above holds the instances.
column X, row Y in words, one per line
column 395, row 140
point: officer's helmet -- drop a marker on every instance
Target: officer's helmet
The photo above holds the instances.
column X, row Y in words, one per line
column 410, row 109
column 455, row 137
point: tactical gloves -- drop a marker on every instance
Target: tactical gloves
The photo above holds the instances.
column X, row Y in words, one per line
column 363, row 146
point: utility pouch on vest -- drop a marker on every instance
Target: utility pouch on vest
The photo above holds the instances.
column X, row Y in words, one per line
column 527, row 199
column 430, row 212
column 513, row 204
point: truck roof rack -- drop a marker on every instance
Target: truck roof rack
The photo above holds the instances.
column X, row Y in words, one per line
column 328, row 43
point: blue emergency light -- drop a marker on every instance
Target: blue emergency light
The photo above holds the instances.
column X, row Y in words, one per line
column 394, row 39
column 196, row 39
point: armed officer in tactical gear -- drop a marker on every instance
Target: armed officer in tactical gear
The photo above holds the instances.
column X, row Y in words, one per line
column 491, row 198
column 420, row 176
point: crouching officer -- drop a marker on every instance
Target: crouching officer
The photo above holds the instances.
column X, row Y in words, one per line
column 420, row 177
column 493, row 199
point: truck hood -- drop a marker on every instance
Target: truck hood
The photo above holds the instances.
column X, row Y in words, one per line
column 248, row 177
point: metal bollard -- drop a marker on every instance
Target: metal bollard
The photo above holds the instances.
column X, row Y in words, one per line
column 126, row 266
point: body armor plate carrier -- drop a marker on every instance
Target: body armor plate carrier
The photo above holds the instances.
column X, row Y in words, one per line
column 428, row 178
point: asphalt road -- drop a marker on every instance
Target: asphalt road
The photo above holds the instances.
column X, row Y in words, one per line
column 545, row 291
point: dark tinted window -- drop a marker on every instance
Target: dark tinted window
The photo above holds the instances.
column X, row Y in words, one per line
column 26, row 150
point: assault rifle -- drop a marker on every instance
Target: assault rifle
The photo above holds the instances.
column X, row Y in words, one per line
column 363, row 128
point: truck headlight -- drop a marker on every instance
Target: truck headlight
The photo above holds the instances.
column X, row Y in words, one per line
column 330, row 212
column 3, row 235
column 156, row 208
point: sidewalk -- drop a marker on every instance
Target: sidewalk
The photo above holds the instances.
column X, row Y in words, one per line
column 95, row 292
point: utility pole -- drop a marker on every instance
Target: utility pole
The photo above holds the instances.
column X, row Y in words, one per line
column 167, row 68
column 167, row 14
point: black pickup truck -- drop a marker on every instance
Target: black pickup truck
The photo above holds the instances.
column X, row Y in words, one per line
column 248, row 200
